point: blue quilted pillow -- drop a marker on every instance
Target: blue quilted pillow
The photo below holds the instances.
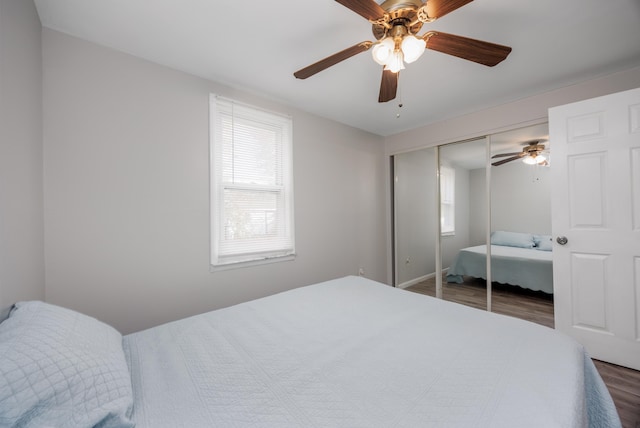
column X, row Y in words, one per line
column 512, row 239
column 59, row 368
column 544, row 242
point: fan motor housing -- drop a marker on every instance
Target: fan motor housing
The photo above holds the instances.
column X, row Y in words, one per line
column 400, row 12
column 533, row 148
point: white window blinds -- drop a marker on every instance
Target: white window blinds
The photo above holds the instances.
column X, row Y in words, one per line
column 251, row 184
column 447, row 200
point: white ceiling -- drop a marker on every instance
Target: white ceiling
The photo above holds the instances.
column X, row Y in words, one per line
column 258, row 45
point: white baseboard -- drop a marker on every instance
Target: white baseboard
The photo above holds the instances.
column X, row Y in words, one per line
column 419, row 279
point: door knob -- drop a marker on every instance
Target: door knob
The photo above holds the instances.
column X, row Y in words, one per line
column 562, row 240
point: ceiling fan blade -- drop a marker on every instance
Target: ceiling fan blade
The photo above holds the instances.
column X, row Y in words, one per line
column 368, row 9
column 439, row 8
column 485, row 53
column 332, row 60
column 506, row 154
column 506, row 160
column 388, row 86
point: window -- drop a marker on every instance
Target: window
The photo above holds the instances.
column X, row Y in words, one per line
column 251, row 185
column 447, row 200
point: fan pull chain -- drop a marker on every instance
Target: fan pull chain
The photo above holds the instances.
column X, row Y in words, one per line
column 399, row 103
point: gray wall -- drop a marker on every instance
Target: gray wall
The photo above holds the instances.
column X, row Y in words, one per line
column 21, row 214
column 521, row 198
column 126, row 192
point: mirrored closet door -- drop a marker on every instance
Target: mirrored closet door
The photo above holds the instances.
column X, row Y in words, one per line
column 438, row 209
column 463, row 221
column 521, row 221
column 450, row 200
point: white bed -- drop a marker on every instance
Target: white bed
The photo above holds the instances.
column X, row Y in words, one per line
column 349, row 352
column 520, row 259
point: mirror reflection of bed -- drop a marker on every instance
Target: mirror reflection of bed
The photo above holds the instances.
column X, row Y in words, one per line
column 520, row 227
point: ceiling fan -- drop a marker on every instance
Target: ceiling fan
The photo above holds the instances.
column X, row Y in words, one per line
column 531, row 154
column 395, row 24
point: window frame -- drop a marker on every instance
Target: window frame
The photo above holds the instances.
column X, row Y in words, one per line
column 228, row 254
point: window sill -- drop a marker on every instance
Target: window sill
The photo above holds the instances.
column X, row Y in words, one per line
column 237, row 265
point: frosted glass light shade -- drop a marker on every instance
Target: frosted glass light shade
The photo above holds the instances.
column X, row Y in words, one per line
column 532, row 160
column 396, row 62
column 412, row 48
column 382, row 51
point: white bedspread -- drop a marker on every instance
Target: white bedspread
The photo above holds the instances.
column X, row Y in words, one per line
column 525, row 267
column 355, row 353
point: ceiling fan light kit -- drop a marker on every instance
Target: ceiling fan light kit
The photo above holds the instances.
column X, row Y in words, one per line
column 534, row 159
column 395, row 24
column 531, row 154
column 397, row 47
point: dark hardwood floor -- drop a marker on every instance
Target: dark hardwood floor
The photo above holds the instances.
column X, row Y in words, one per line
column 623, row 383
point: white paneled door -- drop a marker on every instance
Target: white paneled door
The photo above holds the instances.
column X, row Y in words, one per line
column 596, row 224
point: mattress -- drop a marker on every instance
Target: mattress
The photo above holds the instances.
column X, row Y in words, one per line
column 355, row 353
column 524, row 267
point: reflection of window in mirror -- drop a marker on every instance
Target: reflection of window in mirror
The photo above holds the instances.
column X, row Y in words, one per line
column 447, row 201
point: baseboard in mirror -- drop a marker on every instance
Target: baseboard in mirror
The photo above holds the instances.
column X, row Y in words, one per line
column 418, row 280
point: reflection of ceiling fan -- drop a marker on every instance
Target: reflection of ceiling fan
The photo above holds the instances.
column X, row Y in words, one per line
column 530, row 154
column 395, row 25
